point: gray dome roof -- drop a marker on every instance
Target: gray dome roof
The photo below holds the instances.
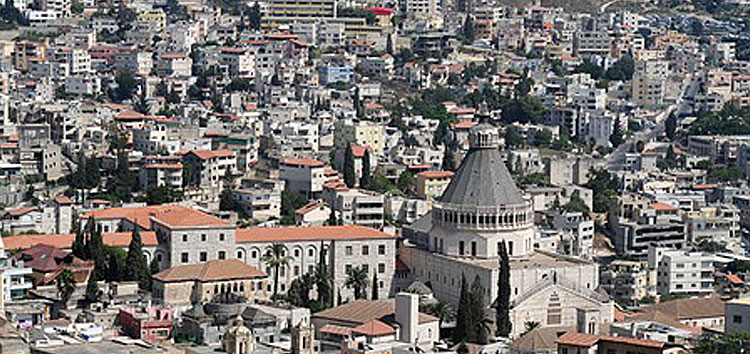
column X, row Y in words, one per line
column 482, row 180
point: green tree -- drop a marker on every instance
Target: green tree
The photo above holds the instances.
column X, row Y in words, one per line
column 375, row 286
column 730, row 343
column 276, row 258
column 95, row 249
column 77, row 7
column 124, row 182
column 605, row 187
column 670, row 126
column 366, row 179
column 116, row 263
column 349, row 173
column 162, row 194
column 289, row 203
column 406, row 182
column 126, row 85
column 92, row 289
column 513, row 137
column 66, row 285
column 136, row 266
column 449, row 160
column 476, row 308
column 299, row 290
column 79, row 246
column 576, row 204
column 441, row 310
column 464, row 314
column 502, row 304
column 356, row 278
column 467, row 31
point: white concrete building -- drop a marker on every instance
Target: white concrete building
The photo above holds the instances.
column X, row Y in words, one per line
column 737, row 316
column 682, row 272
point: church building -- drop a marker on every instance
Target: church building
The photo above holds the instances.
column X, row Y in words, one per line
column 481, row 208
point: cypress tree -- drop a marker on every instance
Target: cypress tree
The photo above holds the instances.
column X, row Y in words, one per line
column 95, row 245
column 366, row 179
column 463, row 315
column 476, row 310
column 79, row 245
column 349, row 175
column 92, row 288
column 502, row 304
column 323, row 281
column 136, row 268
column 375, row 289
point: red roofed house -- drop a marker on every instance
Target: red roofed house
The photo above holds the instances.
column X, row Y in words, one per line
column 47, row 262
column 383, row 14
column 314, row 213
column 208, row 168
column 432, row 184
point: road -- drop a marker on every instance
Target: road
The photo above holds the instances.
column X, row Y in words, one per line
column 616, row 159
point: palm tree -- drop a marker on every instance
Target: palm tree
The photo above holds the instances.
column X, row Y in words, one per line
column 441, row 310
column 357, row 279
column 530, row 326
column 276, row 258
column 66, row 285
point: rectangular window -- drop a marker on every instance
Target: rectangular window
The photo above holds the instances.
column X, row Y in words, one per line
column 222, row 255
column 381, row 268
column 296, row 270
column 365, row 250
column 203, row 237
column 366, row 268
column 204, row 256
column 737, row 319
column 348, row 268
column 185, row 238
column 184, row 257
column 221, row 237
column 349, row 250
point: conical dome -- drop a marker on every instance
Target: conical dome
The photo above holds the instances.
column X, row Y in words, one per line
column 482, row 179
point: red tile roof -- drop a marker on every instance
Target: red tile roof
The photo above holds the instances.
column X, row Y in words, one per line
column 21, row 211
column 210, row 154
column 293, row 234
column 374, row 328
column 664, row 207
column 381, row 11
column 173, row 215
column 223, row 269
column 435, row 174
column 734, row 279
column 164, row 165
column 303, row 162
column 131, row 115
column 359, row 150
column 65, row 241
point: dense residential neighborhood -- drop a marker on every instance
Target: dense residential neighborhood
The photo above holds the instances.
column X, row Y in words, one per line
column 375, row 177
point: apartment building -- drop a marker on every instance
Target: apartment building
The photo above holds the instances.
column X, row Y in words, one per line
column 136, row 61
column 358, row 207
column 649, row 82
column 362, row 133
column 432, row 184
column 682, row 272
column 628, row 280
column 208, row 168
column 160, row 175
column 237, row 61
column 176, row 64
column 298, row 139
column 260, row 199
column 737, row 316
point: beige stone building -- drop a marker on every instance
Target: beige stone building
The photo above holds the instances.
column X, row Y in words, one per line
column 184, row 285
column 432, row 184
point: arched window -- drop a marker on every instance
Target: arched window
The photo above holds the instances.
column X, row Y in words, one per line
column 239, row 254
